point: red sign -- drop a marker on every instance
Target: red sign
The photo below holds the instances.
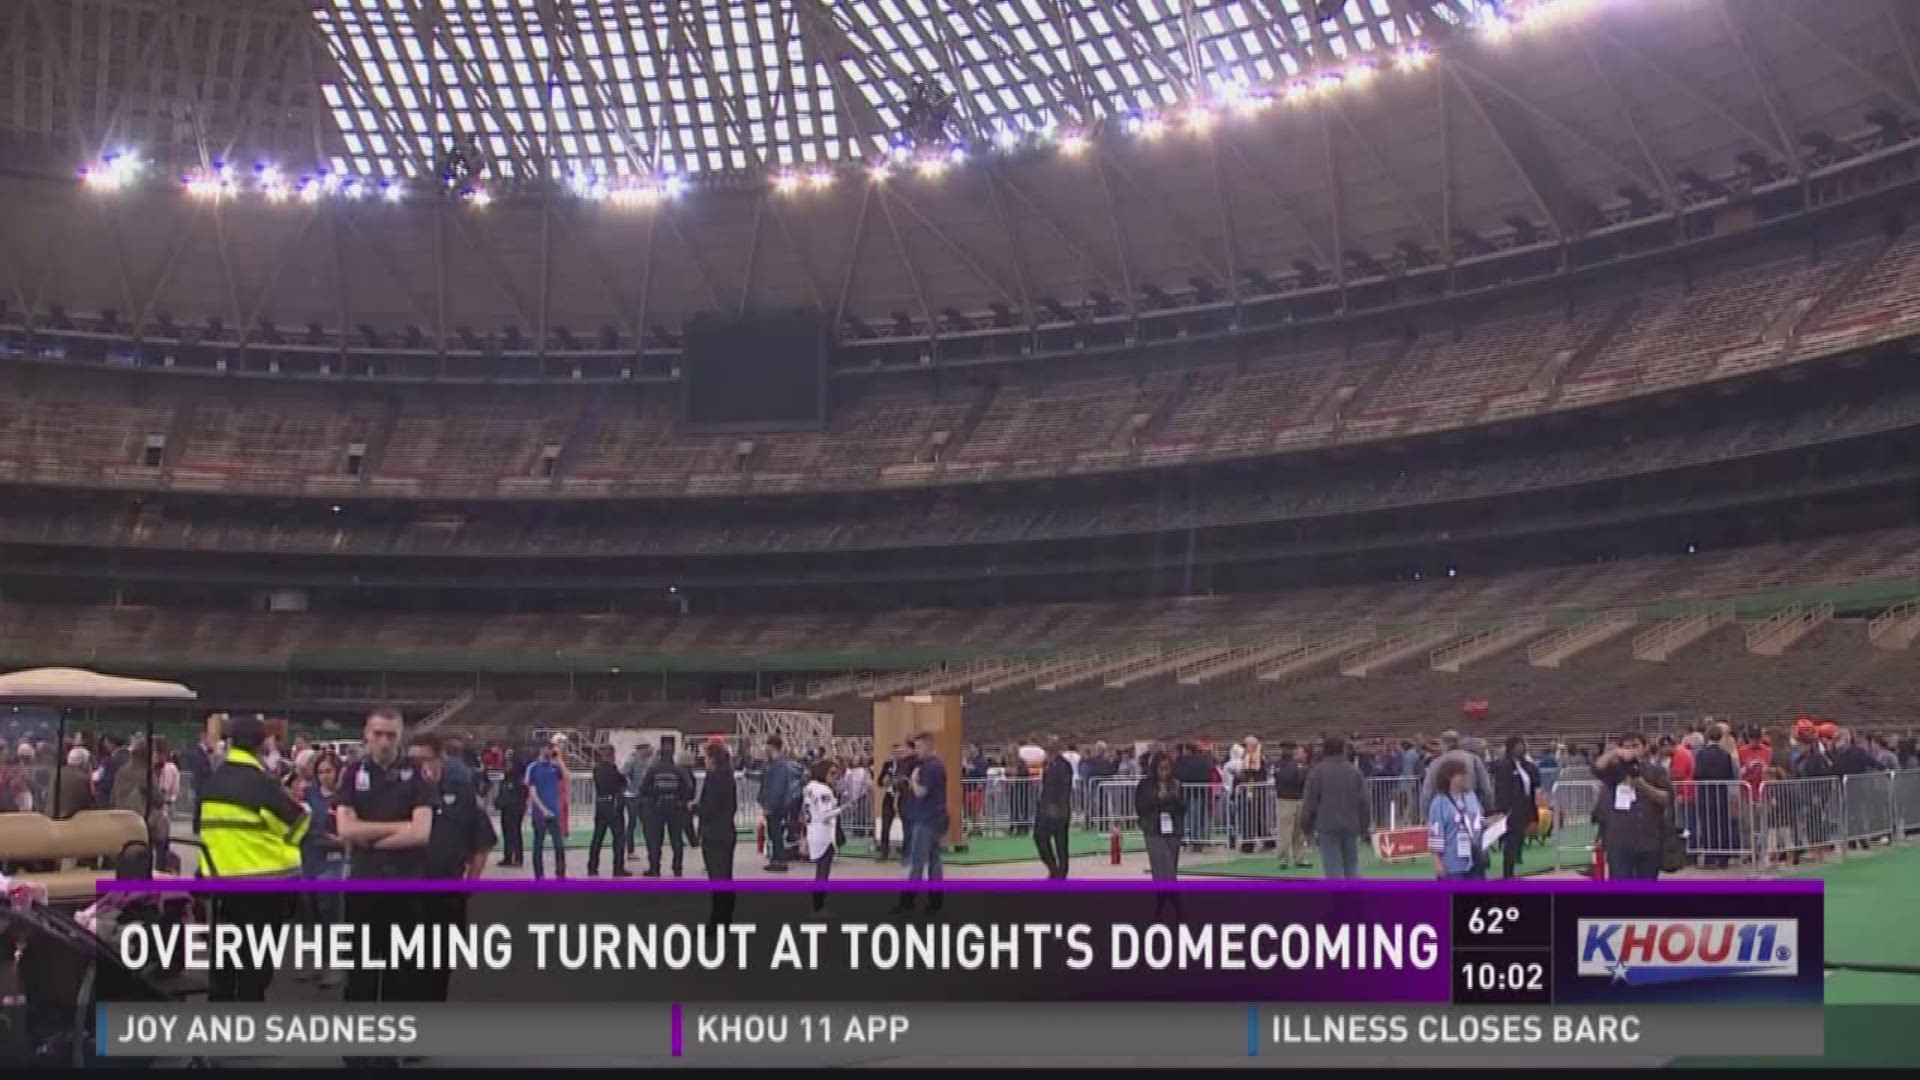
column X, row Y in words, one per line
column 1474, row 709
column 1393, row 845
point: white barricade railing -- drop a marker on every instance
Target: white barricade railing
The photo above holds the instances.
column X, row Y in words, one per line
column 1573, row 829
column 1906, row 801
column 1870, row 812
column 1717, row 818
column 857, row 815
column 746, row 808
column 999, row 805
column 1207, row 806
column 1393, row 802
column 1110, row 806
column 1801, row 816
column 1254, row 814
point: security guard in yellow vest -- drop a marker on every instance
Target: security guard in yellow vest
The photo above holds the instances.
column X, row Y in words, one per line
column 250, row 827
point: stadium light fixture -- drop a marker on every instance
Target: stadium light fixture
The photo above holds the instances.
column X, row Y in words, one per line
column 1199, row 118
column 311, row 189
column 786, row 183
column 820, row 179
column 879, row 171
column 931, row 167
column 1007, row 139
column 391, row 191
column 1073, row 144
column 113, row 171
column 479, row 198
column 1414, row 57
column 1148, row 127
column 1360, row 74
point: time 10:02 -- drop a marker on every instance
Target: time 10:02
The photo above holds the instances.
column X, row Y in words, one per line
column 1484, row 975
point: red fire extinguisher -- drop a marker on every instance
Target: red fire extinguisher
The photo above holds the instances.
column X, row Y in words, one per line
column 1113, row 846
column 760, row 837
column 1599, row 861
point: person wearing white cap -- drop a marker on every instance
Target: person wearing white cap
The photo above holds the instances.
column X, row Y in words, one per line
column 73, row 791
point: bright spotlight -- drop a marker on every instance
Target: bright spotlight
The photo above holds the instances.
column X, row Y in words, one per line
column 1360, row 74
column 820, row 179
column 957, row 155
column 673, row 187
column 113, row 171
column 878, row 172
column 1199, row 118
column 932, row 167
column 392, row 192
column 1073, row 144
column 1006, row 138
column 1415, row 56
column 311, row 190
column 1330, row 81
column 1149, row 127
column 786, row 183
column 480, row 198
column 1496, row 26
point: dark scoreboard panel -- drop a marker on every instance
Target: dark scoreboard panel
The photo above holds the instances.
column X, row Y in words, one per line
column 758, row 371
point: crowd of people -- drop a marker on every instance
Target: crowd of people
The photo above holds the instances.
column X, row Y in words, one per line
column 1297, row 801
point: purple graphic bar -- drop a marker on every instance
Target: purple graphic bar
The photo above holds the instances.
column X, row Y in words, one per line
column 676, row 1029
column 1566, row 886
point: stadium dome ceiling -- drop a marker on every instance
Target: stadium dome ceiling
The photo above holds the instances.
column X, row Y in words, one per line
column 1546, row 129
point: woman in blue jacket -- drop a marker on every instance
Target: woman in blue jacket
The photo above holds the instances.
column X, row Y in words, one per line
column 1455, row 823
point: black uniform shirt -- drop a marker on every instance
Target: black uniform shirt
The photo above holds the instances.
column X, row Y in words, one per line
column 461, row 830
column 666, row 786
column 387, row 794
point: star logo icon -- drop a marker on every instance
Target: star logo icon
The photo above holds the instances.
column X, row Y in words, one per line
column 1618, row 970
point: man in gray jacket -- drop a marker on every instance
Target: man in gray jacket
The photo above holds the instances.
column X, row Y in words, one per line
column 1476, row 768
column 1334, row 810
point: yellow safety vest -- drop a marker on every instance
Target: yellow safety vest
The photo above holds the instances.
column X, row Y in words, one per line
column 249, row 825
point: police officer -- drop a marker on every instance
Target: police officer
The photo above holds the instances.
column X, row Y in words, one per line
column 666, row 800
column 609, row 816
column 249, row 827
column 386, row 818
column 457, row 849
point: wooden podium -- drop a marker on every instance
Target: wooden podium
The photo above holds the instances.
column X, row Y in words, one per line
column 896, row 720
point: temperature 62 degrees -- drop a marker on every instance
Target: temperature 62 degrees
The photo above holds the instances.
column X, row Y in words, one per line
column 1518, row 921
column 1491, row 920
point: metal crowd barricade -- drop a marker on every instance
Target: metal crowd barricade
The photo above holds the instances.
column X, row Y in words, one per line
column 857, row 815
column 579, row 803
column 1801, row 816
column 1393, row 802
column 999, row 805
column 1254, row 813
column 1870, row 815
column 746, row 811
column 1207, row 806
column 1574, row 832
column 1906, row 802
column 1110, row 806
column 1717, row 817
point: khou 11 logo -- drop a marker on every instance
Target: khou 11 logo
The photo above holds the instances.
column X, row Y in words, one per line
column 1643, row 952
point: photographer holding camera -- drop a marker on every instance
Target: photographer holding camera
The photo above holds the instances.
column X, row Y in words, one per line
column 1632, row 813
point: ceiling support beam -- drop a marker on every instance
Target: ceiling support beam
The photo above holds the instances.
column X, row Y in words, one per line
column 1521, row 147
column 1387, row 172
column 905, row 255
column 853, row 255
column 1690, row 89
column 1764, row 87
column 1010, row 228
column 1565, row 128
column 1662, row 176
column 957, row 249
column 1844, row 57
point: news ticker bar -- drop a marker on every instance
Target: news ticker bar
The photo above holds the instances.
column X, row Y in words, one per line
column 826, row 1034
